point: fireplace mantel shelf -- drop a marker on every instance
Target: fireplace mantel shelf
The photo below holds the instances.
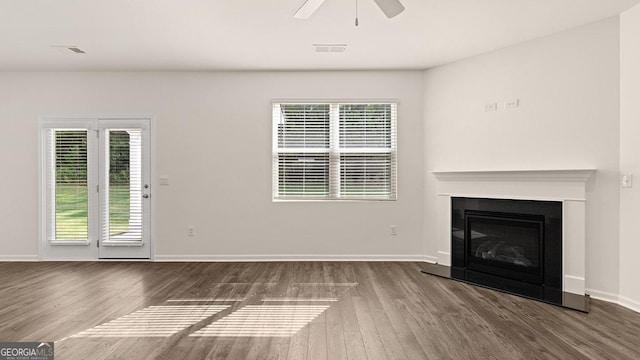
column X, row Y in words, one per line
column 556, row 175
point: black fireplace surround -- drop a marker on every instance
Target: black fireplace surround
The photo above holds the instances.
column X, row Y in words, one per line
column 509, row 245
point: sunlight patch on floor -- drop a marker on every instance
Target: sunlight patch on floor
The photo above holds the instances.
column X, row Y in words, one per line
column 154, row 321
column 263, row 321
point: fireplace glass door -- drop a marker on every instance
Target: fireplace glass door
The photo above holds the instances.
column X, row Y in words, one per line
column 508, row 245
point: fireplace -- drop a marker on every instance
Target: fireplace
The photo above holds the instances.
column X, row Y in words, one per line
column 558, row 196
column 510, row 245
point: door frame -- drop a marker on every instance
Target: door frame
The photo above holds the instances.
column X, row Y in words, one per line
column 43, row 122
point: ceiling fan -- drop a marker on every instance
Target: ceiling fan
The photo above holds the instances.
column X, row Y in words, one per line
column 390, row 8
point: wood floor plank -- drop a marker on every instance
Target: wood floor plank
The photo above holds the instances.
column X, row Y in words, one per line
column 389, row 319
column 299, row 345
column 427, row 331
column 335, row 334
column 348, row 314
column 318, row 339
column 370, row 337
column 350, row 310
column 355, row 346
column 258, row 348
column 218, row 352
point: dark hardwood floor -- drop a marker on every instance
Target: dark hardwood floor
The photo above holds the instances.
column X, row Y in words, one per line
column 293, row 310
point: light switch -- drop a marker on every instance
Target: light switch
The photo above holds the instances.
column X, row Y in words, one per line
column 626, row 181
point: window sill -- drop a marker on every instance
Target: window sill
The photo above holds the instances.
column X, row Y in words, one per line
column 330, row 200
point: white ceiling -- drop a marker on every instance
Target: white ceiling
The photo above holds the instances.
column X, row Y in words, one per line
column 263, row 35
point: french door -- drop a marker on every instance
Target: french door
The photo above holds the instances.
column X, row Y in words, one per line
column 96, row 193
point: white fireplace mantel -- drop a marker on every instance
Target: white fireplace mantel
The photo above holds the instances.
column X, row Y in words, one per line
column 574, row 175
column 564, row 185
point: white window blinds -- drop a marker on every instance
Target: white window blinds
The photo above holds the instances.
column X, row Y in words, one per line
column 334, row 151
column 67, row 185
column 302, row 156
column 122, row 210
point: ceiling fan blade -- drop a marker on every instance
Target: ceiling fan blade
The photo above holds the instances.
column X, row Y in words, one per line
column 390, row 8
column 307, row 9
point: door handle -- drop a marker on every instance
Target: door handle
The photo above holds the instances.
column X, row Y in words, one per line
column 146, row 196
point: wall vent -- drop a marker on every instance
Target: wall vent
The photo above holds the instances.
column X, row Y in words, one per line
column 330, row 48
column 76, row 50
column 73, row 49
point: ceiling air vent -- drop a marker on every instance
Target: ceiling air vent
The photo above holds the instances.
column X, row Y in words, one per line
column 330, row 48
column 76, row 50
column 73, row 49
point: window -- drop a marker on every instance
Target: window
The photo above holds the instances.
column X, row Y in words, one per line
column 334, row 151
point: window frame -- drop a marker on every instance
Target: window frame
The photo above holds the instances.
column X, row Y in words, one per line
column 336, row 152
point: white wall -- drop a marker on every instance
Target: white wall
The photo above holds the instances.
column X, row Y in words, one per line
column 568, row 86
column 213, row 139
column 630, row 156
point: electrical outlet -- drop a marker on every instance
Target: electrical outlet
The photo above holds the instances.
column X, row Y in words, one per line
column 191, row 230
column 626, row 181
column 491, row 107
column 394, row 230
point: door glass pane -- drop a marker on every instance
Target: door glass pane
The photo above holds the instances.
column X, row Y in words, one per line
column 71, row 200
column 124, row 169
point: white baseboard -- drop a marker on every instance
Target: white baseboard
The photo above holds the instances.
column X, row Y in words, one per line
column 615, row 298
column 444, row 258
column 629, row 303
column 19, row 258
column 604, row 296
column 574, row 285
column 274, row 258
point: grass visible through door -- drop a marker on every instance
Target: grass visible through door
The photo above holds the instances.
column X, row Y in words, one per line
column 71, row 211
